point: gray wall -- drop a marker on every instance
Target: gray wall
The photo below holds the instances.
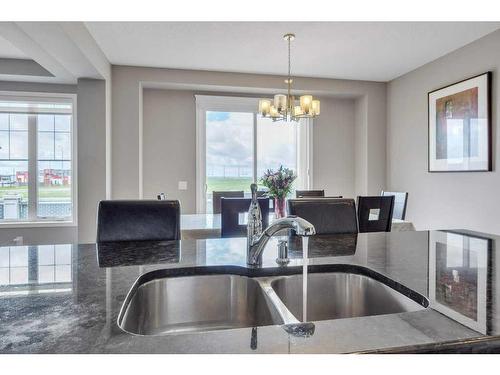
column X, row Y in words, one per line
column 131, row 134
column 39, row 235
column 169, row 152
column 36, row 87
column 334, row 147
column 170, row 145
column 441, row 200
column 91, row 154
column 361, row 141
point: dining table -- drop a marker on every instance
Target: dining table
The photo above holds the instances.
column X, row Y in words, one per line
column 204, row 226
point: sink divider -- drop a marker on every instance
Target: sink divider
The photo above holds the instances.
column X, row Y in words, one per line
column 285, row 314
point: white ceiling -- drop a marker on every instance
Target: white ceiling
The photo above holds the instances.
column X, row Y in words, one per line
column 9, row 51
column 351, row 50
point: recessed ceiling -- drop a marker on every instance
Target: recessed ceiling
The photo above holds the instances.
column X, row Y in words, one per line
column 375, row 51
column 9, row 51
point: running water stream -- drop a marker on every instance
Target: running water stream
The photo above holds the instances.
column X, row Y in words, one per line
column 305, row 262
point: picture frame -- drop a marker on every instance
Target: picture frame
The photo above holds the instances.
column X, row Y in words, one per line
column 459, row 277
column 460, row 126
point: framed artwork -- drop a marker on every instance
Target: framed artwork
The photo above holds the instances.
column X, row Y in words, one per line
column 458, row 277
column 460, row 126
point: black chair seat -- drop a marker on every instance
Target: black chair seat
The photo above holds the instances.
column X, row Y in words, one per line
column 138, row 220
column 328, row 215
column 232, row 207
column 380, row 209
column 309, row 193
column 217, row 195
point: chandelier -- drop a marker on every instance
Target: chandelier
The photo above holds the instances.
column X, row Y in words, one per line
column 282, row 107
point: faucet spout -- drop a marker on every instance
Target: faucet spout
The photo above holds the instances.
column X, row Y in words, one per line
column 256, row 244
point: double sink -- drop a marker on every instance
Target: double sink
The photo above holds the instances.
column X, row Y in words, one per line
column 159, row 305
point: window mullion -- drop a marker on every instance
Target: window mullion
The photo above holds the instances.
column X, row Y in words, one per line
column 32, row 168
column 299, row 154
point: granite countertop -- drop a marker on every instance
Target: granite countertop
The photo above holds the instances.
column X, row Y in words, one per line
column 66, row 298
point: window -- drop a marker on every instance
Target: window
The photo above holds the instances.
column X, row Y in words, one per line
column 235, row 146
column 36, row 158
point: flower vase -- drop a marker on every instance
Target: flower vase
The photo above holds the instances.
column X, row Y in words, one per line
column 279, row 207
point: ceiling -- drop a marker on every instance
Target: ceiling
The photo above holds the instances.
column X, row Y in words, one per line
column 375, row 51
column 49, row 52
column 9, row 51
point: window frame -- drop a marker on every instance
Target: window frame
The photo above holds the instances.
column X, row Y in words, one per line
column 206, row 103
column 45, row 97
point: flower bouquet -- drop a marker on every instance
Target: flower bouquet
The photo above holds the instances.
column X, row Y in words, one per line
column 279, row 184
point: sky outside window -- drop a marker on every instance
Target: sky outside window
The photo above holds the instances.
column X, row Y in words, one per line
column 229, row 152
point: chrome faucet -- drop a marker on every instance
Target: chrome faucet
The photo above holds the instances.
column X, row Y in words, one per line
column 257, row 239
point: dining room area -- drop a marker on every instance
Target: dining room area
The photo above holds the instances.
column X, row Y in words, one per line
column 382, row 213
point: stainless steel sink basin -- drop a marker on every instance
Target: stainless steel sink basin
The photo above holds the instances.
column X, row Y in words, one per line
column 196, row 304
column 340, row 295
column 168, row 305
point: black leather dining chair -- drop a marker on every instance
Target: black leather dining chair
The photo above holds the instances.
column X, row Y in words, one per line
column 328, row 215
column 375, row 213
column 217, row 195
column 230, row 210
column 138, row 220
column 400, row 202
column 309, row 193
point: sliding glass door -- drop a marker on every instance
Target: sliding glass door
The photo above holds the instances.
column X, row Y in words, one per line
column 236, row 146
column 229, row 152
column 276, row 145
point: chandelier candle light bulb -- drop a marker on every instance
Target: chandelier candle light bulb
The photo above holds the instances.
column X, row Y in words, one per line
column 306, row 103
column 264, row 107
column 273, row 112
column 280, row 102
column 316, row 107
column 282, row 107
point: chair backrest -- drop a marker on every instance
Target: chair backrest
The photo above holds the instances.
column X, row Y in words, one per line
column 375, row 213
column 232, row 207
column 328, row 215
column 217, row 195
column 309, row 193
column 400, row 202
column 138, row 220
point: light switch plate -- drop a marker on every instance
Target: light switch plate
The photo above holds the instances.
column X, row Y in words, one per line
column 183, row 185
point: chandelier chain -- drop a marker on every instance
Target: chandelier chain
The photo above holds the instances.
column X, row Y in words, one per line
column 289, row 59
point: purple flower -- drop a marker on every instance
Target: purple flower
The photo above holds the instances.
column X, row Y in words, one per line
column 279, row 182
